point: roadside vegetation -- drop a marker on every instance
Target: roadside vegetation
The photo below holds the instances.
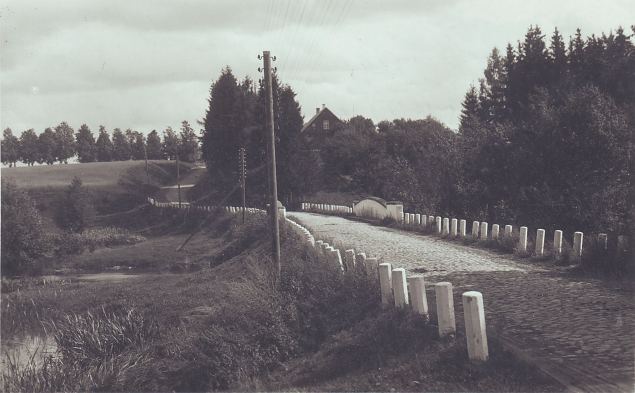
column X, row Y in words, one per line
column 230, row 326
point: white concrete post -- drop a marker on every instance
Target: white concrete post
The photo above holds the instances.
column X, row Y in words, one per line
column 577, row 243
column 475, row 333
column 603, row 239
column 522, row 244
column 337, row 257
column 508, row 231
column 557, row 242
column 463, row 228
column 431, row 220
column 418, row 292
column 453, row 227
column 446, row 226
column 417, row 219
column 483, row 230
column 438, row 225
column 445, row 308
column 475, row 227
column 424, row 220
column 495, row 231
column 400, row 289
column 360, row 259
column 349, row 258
column 385, row 282
column 406, row 217
column 540, row 242
column 371, row 265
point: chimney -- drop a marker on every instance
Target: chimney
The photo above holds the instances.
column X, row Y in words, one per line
column 323, row 106
column 317, row 110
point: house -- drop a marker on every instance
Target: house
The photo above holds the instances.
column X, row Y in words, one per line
column 323, row 121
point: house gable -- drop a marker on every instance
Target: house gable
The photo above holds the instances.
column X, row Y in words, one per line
column 323, row 121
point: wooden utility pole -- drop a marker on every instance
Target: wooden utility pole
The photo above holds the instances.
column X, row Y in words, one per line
column 272, row 160
column 242, row 170
column 145, row 155
column 178, row 177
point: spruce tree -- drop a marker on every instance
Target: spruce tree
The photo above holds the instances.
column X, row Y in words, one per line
column 104, row 146
column 137, row 144
column 65, row 146
column 154, row 147
column 170, row 144
column 86, row 147
column 10, row 148
column 121, row 147
column 188, row 145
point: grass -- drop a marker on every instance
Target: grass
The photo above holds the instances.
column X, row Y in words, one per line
column 231, row 325
column 93, row 174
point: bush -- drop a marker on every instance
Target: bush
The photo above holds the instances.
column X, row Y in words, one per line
column 69, row 243
column 75, row 209
column 23, row 239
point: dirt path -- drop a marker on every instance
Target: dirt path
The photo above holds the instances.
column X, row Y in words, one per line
column 581, row 331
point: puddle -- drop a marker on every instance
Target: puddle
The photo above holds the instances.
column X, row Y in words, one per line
column 23, row 350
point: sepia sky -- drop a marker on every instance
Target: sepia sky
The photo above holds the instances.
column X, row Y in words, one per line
column 150, row 64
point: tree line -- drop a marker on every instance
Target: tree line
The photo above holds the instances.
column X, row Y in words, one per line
column 545, row 139
column 61, row 143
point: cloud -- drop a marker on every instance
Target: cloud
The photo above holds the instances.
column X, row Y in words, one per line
column 149, row 64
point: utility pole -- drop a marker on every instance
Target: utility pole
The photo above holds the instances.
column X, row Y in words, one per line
column 272, row 160
column 145, row 155
column 178, row 177
column 242, row 170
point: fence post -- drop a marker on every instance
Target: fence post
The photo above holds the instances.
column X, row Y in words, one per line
column 424, row 220
column 475, row 227
column 385, row 282
column 540, row 242
column 446, row 226
column 371, row 265
column 522, row 244
column 577, row 243
column 431, row 220
column 484, row 230
column 445, row 308
column 453, row 227
column 475, row 333
column 417, row 219
column 349, row 259
column 438, row 225
column 463, row 228
column 508, row 231
column 400, row 289
column 557, row 242
column 419, row 300
column 495, row 230
column 406, row 217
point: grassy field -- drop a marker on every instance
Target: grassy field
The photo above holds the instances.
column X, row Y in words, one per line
column 221, row 322
column 93, row 174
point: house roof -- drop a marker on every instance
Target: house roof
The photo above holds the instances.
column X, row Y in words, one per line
column 311, row 120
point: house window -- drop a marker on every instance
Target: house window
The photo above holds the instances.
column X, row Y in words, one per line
column 325, row 125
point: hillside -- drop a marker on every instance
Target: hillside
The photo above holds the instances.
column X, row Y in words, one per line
column 93, row 174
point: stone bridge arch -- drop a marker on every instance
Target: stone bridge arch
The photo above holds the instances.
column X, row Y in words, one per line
column 378, row 208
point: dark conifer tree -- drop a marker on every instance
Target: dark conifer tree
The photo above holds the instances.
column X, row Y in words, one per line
column 47, row 142
column 154, row 147
column 104, row 146
column 86, row 147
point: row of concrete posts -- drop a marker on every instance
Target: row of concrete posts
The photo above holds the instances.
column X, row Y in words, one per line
column 325, row 208
column 458, row 228
column 401, row 291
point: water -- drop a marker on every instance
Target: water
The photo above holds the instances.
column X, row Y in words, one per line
column 26, row 349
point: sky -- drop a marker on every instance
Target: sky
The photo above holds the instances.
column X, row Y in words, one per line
column 150, row 64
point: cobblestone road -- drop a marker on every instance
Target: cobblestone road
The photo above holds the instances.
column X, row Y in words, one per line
column 582, row 328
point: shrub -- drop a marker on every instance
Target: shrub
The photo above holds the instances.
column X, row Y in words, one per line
column 89, row 338
column 23, row 239
column 75, row 209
